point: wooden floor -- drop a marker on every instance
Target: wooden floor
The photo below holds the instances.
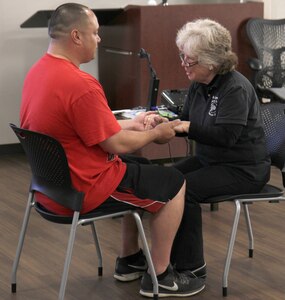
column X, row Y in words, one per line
column 259, row 278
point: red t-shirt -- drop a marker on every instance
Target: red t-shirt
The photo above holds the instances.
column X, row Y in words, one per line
column 70, row 105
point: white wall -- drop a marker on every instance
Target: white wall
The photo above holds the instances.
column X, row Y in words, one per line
column 20, row 48
column 274, row 9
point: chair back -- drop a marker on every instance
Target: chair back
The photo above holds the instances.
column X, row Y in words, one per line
column 268, row 40
column 49, row 166
column 273, row 115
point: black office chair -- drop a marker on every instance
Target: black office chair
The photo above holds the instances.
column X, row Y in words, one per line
column 50, row 176
column 268, row 40
column 273, row 115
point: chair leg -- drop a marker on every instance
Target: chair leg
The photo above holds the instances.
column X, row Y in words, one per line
column 98, row 249
column 147, row 254
column 230, row 248
column 214, row 206
column 68, row 255
column 249, row 230
column 29, row 206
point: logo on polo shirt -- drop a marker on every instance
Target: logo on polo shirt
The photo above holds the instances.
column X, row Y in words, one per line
column 213, row 106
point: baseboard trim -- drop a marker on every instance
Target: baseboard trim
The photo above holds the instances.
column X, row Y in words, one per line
column 11, row 149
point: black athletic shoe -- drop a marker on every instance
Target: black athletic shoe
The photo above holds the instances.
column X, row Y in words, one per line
column 174, row 284
column 200, row 272
column 131, row 267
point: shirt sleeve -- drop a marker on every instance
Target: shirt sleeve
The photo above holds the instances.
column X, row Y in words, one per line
column 92, row 118
column 225, row 135
column 232, row 116
column 233, row 107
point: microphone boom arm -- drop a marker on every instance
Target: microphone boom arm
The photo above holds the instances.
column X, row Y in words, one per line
column 153, row 83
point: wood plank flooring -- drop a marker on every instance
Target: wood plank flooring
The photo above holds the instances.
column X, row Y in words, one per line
column 258, row 278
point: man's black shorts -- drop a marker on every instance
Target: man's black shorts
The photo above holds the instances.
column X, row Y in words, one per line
column 146, row 185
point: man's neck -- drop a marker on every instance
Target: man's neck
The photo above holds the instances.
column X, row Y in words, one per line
column 58, row 52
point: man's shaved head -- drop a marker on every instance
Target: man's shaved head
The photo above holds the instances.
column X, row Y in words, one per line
column 65, row 17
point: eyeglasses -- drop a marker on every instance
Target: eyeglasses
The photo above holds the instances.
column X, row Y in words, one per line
column 185, row 62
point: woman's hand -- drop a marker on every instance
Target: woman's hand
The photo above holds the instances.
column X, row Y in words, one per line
column 183, row 127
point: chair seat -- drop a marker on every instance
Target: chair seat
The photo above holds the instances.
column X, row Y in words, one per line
column 268, row 191
column 99, row 212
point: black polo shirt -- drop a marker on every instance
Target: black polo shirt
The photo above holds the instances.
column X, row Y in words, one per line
column 228, row 99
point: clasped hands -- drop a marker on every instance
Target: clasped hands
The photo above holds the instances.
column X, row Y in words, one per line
column 164, row 128
column 150, row 119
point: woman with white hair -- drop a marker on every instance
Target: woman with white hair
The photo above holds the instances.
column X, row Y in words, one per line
column 222, row 115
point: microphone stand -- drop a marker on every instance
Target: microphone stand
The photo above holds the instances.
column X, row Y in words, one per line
column 153, row 83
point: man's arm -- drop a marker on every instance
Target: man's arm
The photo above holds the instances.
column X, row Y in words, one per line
column 128, row 141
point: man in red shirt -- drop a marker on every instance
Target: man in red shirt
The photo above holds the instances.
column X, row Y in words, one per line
column 62, row 101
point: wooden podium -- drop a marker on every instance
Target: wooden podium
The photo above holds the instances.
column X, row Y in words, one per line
column 125, row 77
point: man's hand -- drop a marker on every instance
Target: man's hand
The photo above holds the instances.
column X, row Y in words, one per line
column 166, row 131
column 148, row 120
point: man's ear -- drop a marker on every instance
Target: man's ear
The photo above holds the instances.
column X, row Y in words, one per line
column 75, row 36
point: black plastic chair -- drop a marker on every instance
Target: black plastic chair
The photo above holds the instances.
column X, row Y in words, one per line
column 268, row 40
column 273, row 115
column 50, row 176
